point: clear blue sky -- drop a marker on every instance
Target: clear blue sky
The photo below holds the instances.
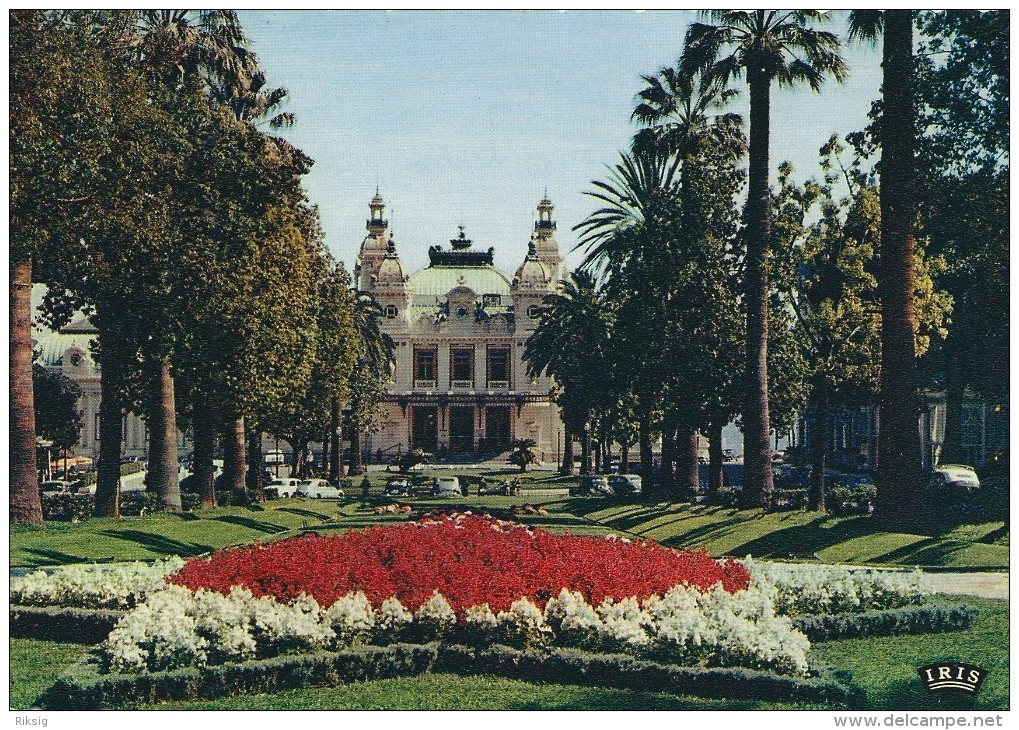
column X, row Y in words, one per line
column 467, row 116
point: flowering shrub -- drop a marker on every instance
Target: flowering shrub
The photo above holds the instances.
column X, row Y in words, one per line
column 120, row 585
column 471, row 560
column 176, row 628
column 801, row 589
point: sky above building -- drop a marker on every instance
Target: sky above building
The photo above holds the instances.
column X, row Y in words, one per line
column 468, row 117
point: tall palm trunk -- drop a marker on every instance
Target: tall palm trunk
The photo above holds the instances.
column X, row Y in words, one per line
column 234, row 462
column 204, row 425
column 567, row 468
column 111, row 420
column 624, row 458
column 256, row 479
column 899, row 462
column 716, row 471
column 757, row 479
column 819, row 449
column 163, row 478
column 336, row 442
column 26, row 506
column 688, row 479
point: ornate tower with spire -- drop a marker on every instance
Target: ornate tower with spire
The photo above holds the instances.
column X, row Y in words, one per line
column 375, row 245
column 391, row 288
column 546, row 247
column 531, row 284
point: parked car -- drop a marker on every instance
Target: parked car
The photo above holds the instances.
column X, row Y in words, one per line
column 396, row 487
column 594, row 485
column 58, row 486
column 285, row 486
column 953, row 484
column 446, row 487
column 625, row 483
column 318, row 489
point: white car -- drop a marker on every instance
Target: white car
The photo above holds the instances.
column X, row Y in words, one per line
column 446, row 487
column 285, row 487
column 318, row 489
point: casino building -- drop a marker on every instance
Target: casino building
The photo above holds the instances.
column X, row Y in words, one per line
column 460, row 386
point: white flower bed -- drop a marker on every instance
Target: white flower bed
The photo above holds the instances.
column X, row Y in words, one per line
column 819, row 589
column 175, row 628
column 118, row 585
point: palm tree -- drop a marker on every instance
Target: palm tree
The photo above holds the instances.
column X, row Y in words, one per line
column 570, row 344
column 899, row 460
column 677, row 110
column 763, row 45
column 189, row 48
column 523, row 453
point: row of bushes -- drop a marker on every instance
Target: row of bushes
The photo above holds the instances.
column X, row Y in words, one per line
column 84, row 687
column 78, row 507
column 929, row 619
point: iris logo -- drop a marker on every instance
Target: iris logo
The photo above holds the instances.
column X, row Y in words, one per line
column 947, row 676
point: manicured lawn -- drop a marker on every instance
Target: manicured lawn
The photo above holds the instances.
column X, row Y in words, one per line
column 720, row 530
column 856, row 540
column 884, row 667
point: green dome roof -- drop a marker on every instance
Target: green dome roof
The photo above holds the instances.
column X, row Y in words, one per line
column 51, row 345
column 436, row 281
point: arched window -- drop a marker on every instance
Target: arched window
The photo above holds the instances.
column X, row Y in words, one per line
column 534, row 311
column 391, row 311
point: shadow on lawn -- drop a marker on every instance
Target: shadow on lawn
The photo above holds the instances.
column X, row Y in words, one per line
column 53, row 557
column 251, row 524
column 159, row 543
column 812, row 537
column 300, row 512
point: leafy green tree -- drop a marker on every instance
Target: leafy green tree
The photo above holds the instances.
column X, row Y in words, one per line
column 57, row 416
column 61, row 88
column 827, row 249
column 764, row 46
column 963, row 156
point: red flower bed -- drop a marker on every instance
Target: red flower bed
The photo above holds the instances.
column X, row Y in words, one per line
column 471, row 560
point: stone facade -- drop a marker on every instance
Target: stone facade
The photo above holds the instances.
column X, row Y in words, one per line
column 460, row 385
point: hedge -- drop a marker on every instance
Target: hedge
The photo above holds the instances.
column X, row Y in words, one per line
column 927, row 619
column 71, row 625
column 88, row 626
column 83, row 687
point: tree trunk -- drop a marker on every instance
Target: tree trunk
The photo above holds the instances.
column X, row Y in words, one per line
column 757, row 479
column 26, row 506
column 819, row 449
column 585, row 449
column 899, row 461
column 204, row 427
column 688, row 478
column 234, row 462
column 716, row 470
column 567, row 468
column 256, row 479
column 647, row 472
column 111, row 420
column 624, row 458
column 163, row 477
column 667, row 469
column 336, row 443
column 607, row 445
column 597, row 456
column 356, row 460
